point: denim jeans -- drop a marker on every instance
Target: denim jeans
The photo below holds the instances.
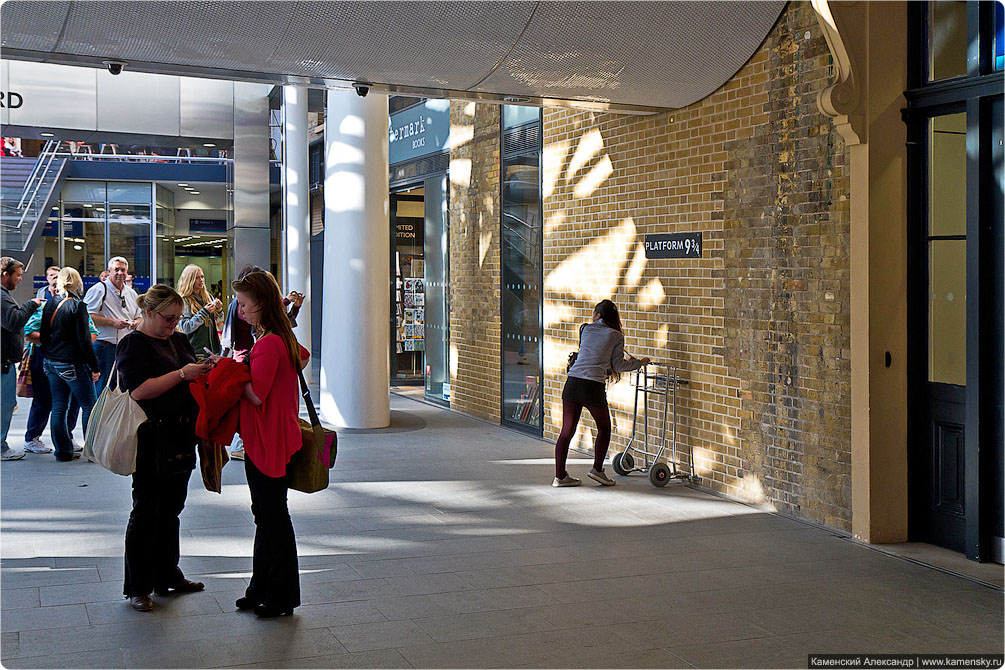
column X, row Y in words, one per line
column 66, row 379
column 8, row 391
column 41, row 401
column 106, row 358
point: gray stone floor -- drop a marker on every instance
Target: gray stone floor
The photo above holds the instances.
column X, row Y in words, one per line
column 441, row 544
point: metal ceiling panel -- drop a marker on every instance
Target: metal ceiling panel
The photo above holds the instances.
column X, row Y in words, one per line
column 664, row 54
column 31, row 26
column 437, row 44
column 647, row 55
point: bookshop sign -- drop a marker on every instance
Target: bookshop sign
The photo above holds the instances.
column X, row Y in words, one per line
column 419, row 130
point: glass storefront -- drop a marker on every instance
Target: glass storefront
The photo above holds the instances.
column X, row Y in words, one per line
column 420, row 310
column 97, row 220
column 521, row 268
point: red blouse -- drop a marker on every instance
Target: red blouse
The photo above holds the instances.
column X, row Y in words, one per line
column 271, row 431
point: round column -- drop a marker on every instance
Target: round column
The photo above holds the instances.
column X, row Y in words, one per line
column 298, row 209
column 355, row 372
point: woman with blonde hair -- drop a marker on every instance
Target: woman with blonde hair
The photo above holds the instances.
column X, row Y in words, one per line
column 271, row 434
column 198, row 318
column 70, row 364
column 155, row 364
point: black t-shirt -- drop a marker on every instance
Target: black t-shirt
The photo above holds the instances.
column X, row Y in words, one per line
column 141, row 357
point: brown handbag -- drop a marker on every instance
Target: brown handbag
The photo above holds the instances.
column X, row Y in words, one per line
column 308, row 468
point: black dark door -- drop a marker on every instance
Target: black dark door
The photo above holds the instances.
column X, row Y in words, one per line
column 940, row 499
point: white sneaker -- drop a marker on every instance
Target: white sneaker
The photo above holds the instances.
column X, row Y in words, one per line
column 568, row 480
column 77, row 446
column 12, row 454
column 599, row 476
column 37, row 446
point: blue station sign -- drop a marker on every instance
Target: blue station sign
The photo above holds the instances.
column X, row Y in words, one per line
column 418, row 131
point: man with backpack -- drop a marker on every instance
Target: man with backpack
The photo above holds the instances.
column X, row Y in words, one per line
column 112, row 306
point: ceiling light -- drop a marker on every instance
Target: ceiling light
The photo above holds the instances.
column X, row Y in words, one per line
column 77, row 247
column 194, row 192
column 183, row 184
column 208, row 144
column 47, row 134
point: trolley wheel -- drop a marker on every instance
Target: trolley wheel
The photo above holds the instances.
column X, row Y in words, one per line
column 623, row 463
column 659, row 474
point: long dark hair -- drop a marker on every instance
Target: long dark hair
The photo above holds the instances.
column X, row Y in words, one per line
column 608, row 312
column 262, row 288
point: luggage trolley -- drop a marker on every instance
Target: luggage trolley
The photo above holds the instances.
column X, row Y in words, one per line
column 662, row 386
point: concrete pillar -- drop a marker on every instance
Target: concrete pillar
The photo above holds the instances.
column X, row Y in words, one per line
column 355, row 366
column 298, row 210
column 249, row 237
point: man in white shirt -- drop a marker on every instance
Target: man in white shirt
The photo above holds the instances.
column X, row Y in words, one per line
column 112, row 306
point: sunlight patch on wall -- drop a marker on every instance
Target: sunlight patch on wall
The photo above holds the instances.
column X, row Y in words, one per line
column 556, row 312
column 662, row 336
column 460, row 172
column 594, row 178
column 652, row 295
column 589, row 146
column 553, row 222
column 484, row 242
column 594, row 270
column 461, row 135
column 469, row 109
column 552, row 160
column 634, row 275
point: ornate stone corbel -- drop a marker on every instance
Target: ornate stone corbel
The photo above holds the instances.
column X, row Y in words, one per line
column 843, row 25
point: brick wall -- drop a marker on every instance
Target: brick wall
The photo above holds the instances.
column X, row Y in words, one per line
column 760, row 324
column 474, row 260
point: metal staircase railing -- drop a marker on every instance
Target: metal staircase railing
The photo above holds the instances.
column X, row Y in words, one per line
column 33, row 206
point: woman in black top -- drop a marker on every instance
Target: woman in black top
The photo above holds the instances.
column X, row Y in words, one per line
column 70, row 364
column 155, row 365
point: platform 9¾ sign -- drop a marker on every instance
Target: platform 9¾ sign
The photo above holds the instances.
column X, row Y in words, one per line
column 673, row 245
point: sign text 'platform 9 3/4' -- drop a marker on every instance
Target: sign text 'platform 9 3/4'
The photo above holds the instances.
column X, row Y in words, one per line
column 673, row 245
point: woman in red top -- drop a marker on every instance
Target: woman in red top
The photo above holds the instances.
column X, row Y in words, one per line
column 271, row 433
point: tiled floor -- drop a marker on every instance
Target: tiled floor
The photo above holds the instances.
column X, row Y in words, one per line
column 441, row 544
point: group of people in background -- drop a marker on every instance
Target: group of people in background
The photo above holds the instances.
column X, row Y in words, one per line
column 153, row 345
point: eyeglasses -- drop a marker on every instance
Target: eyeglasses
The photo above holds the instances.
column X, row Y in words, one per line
column 123, row 299
column 170, row 319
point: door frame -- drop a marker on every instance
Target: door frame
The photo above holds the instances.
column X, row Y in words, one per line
column 972, row 93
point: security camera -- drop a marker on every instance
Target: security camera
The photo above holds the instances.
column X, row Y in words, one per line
column 361, row 88
column 114, row 66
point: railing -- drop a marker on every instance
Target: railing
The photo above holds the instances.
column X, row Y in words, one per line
column 141, row 158
column 45, row 158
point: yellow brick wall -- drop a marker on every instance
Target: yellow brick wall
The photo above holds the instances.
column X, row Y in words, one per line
column 759, row 324
column 474, row 260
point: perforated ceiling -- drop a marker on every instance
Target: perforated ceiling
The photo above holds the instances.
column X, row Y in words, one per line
column 628, row 55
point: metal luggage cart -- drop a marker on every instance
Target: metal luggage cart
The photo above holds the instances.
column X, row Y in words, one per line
column 662, row 386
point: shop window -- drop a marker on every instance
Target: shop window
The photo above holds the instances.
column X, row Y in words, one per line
column 521, row 274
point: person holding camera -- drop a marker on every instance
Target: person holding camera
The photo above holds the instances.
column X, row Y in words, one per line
column 601, row 357
column 154, row 365
column 113, row 309
column 14, row 318
column 198, row 319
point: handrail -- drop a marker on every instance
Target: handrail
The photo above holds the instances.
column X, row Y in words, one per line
column 143, row 157
column 41, row 178
column 34, row 171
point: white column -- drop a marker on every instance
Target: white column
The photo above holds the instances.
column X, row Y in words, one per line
column 298, row 210
column 355, row 372
column 249, row 236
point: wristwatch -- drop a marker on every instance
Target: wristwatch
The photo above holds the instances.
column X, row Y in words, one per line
column 181, row 373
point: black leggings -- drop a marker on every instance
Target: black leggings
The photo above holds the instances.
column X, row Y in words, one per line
column 570, row 420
